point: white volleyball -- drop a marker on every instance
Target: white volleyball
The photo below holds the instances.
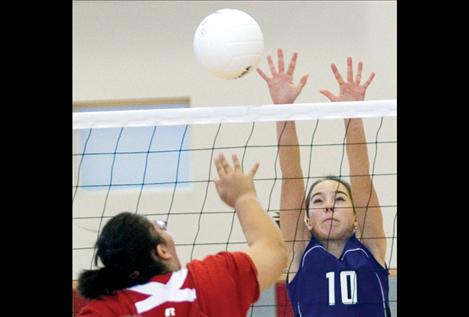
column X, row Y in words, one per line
column 229, row 43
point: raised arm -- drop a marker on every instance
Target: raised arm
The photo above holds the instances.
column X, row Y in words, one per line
column 284, row 91
column 266, row 246
column 370, row 218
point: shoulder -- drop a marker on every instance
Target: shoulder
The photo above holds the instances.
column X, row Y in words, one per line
column 225, row 283
column 313, row 247
column 232, row 261
column 355, row 245
column 225, row 270
column 105, row 306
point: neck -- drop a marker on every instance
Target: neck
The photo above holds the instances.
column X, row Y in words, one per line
column 172, row 265
column 334, row 247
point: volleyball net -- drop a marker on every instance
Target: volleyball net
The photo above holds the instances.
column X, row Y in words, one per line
column 159, row 163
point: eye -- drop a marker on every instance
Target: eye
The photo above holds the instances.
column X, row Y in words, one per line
column 340, row 198
column 317, row 200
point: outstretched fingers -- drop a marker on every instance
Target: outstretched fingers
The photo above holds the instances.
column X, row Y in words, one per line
column 226, row 166
column 262, row 74
column 349, row 70
column 302, row 82
column 219, row 166
column 236, row 163
column 358, row 77
column 281, row 63
column 291, row 67
column 328, row 94
column 271, row 65
column 369, row 80
column 337, row 75
column 254, row 169
column 222, row 165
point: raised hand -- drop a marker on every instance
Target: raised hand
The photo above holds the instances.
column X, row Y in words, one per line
column 233, row 183
column 349, row 90
column 281, row 87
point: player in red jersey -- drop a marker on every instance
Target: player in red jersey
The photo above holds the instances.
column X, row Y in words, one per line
column 142, row 275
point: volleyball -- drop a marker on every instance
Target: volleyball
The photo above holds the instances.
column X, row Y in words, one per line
column 228, row 43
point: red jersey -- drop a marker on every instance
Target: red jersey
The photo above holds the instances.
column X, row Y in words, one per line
column 224, row 284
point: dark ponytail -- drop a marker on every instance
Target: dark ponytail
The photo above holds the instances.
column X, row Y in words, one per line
column 126, row 248
column 95, row 283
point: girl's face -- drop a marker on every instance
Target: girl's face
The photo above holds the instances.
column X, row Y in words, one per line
column 331, row 215
column 169, row 247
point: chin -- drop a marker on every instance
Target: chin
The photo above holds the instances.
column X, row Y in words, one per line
column 331, row 235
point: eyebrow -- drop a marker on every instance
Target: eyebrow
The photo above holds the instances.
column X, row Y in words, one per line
column 337, row 192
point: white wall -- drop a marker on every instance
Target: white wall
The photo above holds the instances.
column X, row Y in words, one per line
column 144, row 49
column 127, row 50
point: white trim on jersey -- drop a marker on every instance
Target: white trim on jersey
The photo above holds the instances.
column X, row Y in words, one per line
column 299, row 310
column 357, row 249
column 382, row 294
column 306, row 253
column 161, row 293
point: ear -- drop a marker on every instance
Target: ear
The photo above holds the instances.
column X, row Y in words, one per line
column 355, row 225
column 163, row 252
column 308, row 223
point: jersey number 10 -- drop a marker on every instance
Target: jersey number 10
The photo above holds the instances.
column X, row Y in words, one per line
column 348, row 287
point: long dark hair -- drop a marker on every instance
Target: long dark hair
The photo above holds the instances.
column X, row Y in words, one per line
column 332, row 178
column 126, row 249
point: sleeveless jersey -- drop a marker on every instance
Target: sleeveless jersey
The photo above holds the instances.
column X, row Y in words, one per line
column 353, row 285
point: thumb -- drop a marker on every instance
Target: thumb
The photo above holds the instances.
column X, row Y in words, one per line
column 302, row 82
column 328, row 94
column 217, row 185
column 254, row 169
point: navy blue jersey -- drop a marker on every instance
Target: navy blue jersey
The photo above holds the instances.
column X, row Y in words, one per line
column 353, row 285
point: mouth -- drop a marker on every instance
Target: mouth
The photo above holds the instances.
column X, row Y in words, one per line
column 330, row 219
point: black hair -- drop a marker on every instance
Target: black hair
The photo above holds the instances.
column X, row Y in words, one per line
column 332, row 178
column 126, row 249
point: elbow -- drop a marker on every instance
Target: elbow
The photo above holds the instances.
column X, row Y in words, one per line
column 281, row 254
column 278, row 259
column 282, row 260
column 284, row 255
column 278, row 255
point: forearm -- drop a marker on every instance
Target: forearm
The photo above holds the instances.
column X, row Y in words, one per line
column 370, row 219
column 257, row 225
column 357, row 149
column 266, row 246
column 292, row 209
column 357, row 152
column 289, row 151
column 292, row 188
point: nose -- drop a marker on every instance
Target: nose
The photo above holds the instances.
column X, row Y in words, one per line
column 329, row 204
